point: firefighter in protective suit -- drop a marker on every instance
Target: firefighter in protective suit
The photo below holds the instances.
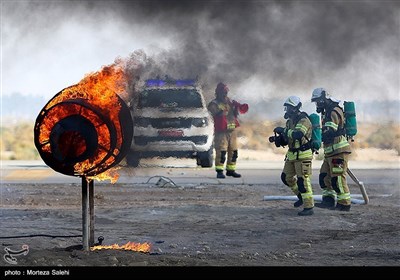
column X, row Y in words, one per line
column 225, row 113
column 296, row 172
column 332, row 176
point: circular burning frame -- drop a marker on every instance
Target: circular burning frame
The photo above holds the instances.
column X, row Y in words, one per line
column 80, row 137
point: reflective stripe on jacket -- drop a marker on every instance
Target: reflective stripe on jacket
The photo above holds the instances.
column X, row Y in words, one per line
column 225, row 120
column 334, row 120
column 299, row 149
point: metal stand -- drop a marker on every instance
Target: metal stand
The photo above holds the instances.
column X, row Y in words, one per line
column 87, row 213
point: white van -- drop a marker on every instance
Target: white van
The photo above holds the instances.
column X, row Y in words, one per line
column 170, row 119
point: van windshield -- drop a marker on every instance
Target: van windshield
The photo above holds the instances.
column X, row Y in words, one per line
column 170, row 98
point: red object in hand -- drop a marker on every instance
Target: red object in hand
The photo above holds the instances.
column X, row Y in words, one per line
column 242, row 108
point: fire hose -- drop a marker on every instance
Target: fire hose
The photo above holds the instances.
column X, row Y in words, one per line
column 319, row 197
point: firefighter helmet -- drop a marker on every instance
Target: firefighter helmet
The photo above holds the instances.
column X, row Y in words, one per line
column 318, row 93
column 292, row 106
column 293, row 101
column 321, row 94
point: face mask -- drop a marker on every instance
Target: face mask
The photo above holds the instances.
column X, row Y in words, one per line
column 289, row 112
column 221, row 96
column 320, row 106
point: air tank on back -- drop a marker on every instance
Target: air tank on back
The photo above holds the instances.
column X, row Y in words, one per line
column 351, row 122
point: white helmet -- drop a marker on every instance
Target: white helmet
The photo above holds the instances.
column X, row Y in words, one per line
column 317, row 94
column 293, row 101
column 321, row 92
column 292, row 106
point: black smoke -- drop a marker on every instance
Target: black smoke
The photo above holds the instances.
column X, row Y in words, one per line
column 290, row 47
column 288, row 44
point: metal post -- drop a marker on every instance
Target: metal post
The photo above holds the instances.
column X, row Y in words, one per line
column 87, row 213
column 91, row 212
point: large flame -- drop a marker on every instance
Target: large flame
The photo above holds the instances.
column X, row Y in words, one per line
column 99, row 89
column 130, row 246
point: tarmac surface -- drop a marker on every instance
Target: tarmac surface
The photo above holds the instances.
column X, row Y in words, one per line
column 192, row 219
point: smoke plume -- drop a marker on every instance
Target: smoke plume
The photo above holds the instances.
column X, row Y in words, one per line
column 261, row 49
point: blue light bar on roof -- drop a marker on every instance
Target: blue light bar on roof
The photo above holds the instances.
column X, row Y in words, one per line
column 155, row 83
column 160, row 83
column 187, row 82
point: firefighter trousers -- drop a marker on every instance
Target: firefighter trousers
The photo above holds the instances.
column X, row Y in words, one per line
column 226, row 150
column 296, row 175
column 332, row 178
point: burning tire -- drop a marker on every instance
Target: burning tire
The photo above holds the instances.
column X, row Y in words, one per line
column 80, row 134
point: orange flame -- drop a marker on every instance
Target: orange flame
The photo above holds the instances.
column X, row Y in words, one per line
column 130, row 246
column 99, row 89
column 110, row 174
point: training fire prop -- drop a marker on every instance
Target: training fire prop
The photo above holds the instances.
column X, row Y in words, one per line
column 83, row 131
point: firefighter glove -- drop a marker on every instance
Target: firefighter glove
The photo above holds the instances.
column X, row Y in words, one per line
column 279, row 130
column 297, row 135
column 327, row 136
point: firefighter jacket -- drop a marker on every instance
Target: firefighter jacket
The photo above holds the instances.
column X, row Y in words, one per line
column 225, row 114
column 299, row 148
column 333, row 131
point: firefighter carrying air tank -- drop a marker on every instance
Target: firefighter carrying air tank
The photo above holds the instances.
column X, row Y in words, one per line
column 297, row 135
column 332, row 176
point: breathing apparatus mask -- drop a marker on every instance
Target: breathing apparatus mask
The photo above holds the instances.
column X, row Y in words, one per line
column 221, row 92
column 320, row 105
column 290, row 111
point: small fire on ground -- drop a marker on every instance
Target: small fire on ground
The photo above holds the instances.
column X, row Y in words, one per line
column 130, row 246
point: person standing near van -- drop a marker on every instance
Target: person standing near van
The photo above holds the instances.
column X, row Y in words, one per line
column 225, row 113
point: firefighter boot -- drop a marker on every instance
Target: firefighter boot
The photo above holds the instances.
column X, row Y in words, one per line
column 306, row 212
column 233, row 174
column 220, row 174
column 328, row 202
column 341, row 207
column 299, row 202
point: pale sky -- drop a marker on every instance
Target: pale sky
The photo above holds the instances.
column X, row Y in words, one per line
column 261, row 49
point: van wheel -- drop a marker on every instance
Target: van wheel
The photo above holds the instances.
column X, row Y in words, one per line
column 133, row 159
column 205, row 159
